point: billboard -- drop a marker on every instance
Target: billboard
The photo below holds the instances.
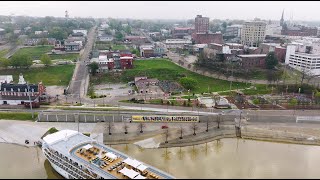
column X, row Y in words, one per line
column 159, row 118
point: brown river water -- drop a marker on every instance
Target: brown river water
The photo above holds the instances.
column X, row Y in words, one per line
column 226, row 158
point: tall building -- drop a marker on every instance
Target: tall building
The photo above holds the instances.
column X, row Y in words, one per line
column 201, row 24
column 253, row 33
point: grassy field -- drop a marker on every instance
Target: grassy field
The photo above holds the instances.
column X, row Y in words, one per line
column 118, row 47
column 64, row 56
column 17, row 116
column 3, row 52
column 166, row 70
column 35, row 52
column 53, row 75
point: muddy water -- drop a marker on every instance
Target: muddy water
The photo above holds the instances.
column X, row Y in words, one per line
column 227, row 158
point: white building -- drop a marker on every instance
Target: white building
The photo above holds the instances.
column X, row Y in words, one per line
column 6, row 78
column 83, row 31
column 253, row 33
column 273, row 29
column 177, row 43
column 297, row 57
column 233, row 30
column 105, row 38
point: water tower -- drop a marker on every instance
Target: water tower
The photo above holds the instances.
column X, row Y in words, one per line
column 66, row 14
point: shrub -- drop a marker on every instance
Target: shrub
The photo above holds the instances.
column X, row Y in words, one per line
column 52, row 130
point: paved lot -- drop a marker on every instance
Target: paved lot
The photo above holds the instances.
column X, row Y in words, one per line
column 112, row 89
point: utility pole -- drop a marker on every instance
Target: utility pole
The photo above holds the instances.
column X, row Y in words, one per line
column 30, row 103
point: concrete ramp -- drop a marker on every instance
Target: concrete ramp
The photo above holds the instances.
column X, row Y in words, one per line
column 148, row 143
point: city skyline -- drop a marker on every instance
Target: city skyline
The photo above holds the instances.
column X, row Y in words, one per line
column 246, row 10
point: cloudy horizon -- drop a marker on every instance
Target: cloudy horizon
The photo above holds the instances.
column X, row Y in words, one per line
column 245, row 10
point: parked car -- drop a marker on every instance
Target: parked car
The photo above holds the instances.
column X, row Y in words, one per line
column 164, row 127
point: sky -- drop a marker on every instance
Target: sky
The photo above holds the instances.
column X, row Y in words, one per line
column 245, row 10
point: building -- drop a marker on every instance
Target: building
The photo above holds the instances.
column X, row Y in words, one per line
column 180, row 32
column 303, row 58
column 143, row 83
column 6, row 79
column 39, row 41
column 201, row 24
column 72, row 46
column 233, row 31
column 18, row 94
column 252, row 60
column 136, row 39
column 207, row 38
column 176, row 43
column 83, row 31
column 253, row 33
column 126, row 62
column 105, row 38
column 147, row 51
column 299, row 31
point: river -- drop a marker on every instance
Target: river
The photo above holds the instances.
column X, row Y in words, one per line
column 226, row 158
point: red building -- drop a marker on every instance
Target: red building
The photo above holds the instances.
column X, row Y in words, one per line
column 126, row 62
column 207, row 38
column 299, row 31
column 180, row 32
column 201, row 24
column 280, row 53
column 252, row 60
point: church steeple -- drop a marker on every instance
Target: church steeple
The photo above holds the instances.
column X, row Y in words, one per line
column 282, row 20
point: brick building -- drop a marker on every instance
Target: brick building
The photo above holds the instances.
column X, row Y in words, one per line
column 207, row 38
column 201, row 24
column 252, row 60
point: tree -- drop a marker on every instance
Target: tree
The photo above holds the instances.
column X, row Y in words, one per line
column 110, row 127
column 293, row 102
column 219, row 120
column 317, row 97
column 45, row 59
column 194, row 127
column 21, row 60
column 271, row 60
column 256, row 101
column 166, row 134
column 181, row 130
column 119, row 36
column 4, row 63
column 140, row 127
column 125, row 128
column 127, row 29
column 43, row 42
column 188, row 83
column 93, row 67
column 58, row 33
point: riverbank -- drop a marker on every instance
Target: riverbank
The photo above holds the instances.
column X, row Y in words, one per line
column 16, row 132
column 294, row 134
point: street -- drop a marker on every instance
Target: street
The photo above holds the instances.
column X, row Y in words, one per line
column 79, row 83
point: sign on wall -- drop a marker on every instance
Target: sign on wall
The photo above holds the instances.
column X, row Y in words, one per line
column 158, row 118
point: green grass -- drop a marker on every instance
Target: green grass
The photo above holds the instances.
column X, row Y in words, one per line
column 261, row 89
column 167, row 70
column 52, row 130
column 118, row 47
column 3, row 52
column 17, row 116
column 53, row 75
column 64, row 56
column 155, row 101
column 35, row 52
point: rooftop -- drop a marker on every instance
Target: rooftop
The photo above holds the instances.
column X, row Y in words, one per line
column 252, row 55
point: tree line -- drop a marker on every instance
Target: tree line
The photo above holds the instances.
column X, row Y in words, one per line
column 22, row 60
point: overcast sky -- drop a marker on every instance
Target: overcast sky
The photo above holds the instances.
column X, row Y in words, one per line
column 246, row 10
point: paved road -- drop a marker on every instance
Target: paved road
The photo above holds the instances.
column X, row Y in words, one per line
column 79, row 83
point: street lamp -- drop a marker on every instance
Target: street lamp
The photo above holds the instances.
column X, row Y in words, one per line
column 30, row 103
